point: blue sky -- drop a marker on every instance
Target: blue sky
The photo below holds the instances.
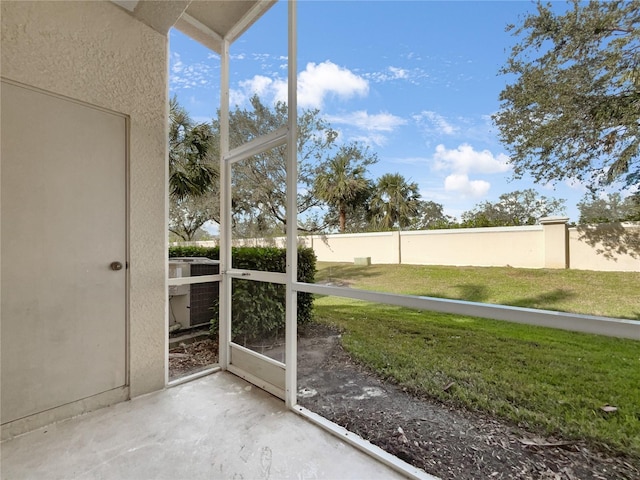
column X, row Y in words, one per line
column 416, row 81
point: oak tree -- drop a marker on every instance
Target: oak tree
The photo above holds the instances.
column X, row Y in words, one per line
column 573, row 110
column 521, row 207
column 259, row 183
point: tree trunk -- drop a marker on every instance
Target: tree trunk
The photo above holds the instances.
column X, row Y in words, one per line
column 343, row 219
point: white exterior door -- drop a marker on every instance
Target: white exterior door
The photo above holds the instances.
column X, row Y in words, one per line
column 63, row 214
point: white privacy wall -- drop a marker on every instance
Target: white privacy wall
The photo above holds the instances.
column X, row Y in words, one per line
column 550, row 245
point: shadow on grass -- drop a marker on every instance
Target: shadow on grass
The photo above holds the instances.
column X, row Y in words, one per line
column 473, row 293
column 544, row 300
column 345, row 272
column 480, row 294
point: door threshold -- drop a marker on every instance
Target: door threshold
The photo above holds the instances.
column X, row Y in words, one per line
column 194, row 376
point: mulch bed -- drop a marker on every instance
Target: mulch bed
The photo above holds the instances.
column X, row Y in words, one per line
column 448, row 442
column 187, row 359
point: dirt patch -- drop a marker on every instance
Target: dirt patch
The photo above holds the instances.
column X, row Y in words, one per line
column 187, row 359
column 446, row 442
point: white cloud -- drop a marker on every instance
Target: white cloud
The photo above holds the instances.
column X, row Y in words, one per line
column 318, row 81
column 187, row 76
column 378, row 122
column 280, row 90
column 315, row 83
column 176, row 63
column 460, row 183
column 258, row 85
column 368, row 127
column 412, row 56
column 398, row 72
column 432, row 122
column 236, row 97
column 372, row 139
column 392, row 73
column 465, row 159
column 261, row 57
column 462, row 161
column 264, row 87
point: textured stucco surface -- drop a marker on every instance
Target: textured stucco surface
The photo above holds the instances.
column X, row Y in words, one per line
column 587, row 257
column 96, row 53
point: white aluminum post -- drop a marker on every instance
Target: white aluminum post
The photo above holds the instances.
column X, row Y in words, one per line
column 291, row 349
column 224, row 319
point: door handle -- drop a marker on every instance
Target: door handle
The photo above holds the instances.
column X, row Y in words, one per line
column 115, row 266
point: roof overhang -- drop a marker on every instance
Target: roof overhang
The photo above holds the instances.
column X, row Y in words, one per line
column 209, row 22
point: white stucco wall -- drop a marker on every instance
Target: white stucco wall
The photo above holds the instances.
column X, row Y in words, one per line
column 96, row 53
column 521, row 247
column 550, row 245
column 382, row 247
column 588, row 257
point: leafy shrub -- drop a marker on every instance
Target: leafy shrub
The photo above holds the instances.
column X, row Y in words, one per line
column 259, row 307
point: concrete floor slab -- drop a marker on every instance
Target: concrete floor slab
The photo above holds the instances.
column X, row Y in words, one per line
column 216, row 427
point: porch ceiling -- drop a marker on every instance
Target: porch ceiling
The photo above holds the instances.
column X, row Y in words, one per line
column 206, row 21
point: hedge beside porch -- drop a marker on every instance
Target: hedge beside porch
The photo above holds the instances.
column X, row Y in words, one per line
column 259, row 307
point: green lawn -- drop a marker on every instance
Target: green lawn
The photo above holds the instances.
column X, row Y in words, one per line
column 613, row 294
column 551, row 381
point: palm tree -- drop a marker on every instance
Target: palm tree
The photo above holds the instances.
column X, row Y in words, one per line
column 344, row 183
column 191, row 169
column 395, row 202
